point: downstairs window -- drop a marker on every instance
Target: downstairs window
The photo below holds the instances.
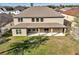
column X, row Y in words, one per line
column 18, row 31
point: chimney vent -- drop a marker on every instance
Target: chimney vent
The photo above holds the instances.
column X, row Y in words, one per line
column 31, row 4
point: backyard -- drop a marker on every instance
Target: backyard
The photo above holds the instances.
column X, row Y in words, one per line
column 53, row 46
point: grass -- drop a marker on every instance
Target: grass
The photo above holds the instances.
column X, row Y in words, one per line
column 6, row 46
column 54, row 46
column 19, row 38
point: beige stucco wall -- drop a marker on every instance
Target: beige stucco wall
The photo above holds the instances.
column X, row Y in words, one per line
column 46, row 20
column 25, row 20
column 54, row 20
column 68, row 17
column 23, row 32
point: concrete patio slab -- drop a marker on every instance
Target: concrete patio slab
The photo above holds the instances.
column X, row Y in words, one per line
column 46, row 34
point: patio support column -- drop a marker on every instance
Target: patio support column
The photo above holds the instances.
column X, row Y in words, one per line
column 51, row 29
column 38, row 30
column 64, row 30
column 26, row 33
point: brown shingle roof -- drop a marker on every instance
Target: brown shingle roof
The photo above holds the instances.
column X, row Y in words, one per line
column 72, row 12
column 5, row 19
column 39, row 25
column 39, row 11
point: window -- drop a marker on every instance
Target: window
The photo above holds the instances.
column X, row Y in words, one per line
column 41, row 19
column 18, row 31
column 29, row 30
column 0, row 30
column 10, row 24
column 20, row 19
column 46, row 30
column 33, row 29
column 33, row 20
column 37, row 19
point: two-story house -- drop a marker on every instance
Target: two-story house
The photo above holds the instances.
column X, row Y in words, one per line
column 38, row 20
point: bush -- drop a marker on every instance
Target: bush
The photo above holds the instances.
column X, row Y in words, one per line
column 7, row 34
column 3, row 40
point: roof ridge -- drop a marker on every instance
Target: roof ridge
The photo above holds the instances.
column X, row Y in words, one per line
column 39, row 11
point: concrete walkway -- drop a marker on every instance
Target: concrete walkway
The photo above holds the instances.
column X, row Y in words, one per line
column 46, row 34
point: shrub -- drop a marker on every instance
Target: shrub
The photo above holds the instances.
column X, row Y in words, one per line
column 3, row 40
column 7, row 34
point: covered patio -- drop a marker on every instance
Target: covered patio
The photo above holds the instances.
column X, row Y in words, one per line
column 46, row 29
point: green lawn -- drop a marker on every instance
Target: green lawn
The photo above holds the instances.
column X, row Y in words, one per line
column 6, row 46
column 55, row 45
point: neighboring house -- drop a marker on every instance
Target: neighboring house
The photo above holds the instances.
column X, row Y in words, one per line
column 9, row 11
column 20, row 8
column 12, row 12
column 1, row 10
column 66, row 8
column 6, row 21
column 70, row 15
column 38, row 20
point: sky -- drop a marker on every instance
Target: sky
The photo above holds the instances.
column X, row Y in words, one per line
column 35, row 4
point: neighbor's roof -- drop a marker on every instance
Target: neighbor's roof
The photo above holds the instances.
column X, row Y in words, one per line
column 72, row 12
column 39, row 25
column 5, row 19
column 66, row 8
column 39, row 11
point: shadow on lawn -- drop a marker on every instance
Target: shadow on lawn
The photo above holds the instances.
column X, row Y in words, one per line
column 19, row 48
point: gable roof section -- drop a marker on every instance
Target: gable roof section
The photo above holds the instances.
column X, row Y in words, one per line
column 38, row 11
column 72, row 12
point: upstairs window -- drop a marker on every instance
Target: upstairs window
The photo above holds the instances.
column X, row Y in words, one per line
column 18, row 31
column 0, row 30
column 37, row 19
column 42, row 20
column 20, row 19
column 33, row 20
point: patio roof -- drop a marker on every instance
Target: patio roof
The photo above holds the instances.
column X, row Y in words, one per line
column 39, row 25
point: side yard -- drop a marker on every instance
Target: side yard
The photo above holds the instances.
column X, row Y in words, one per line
column 53, row 46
